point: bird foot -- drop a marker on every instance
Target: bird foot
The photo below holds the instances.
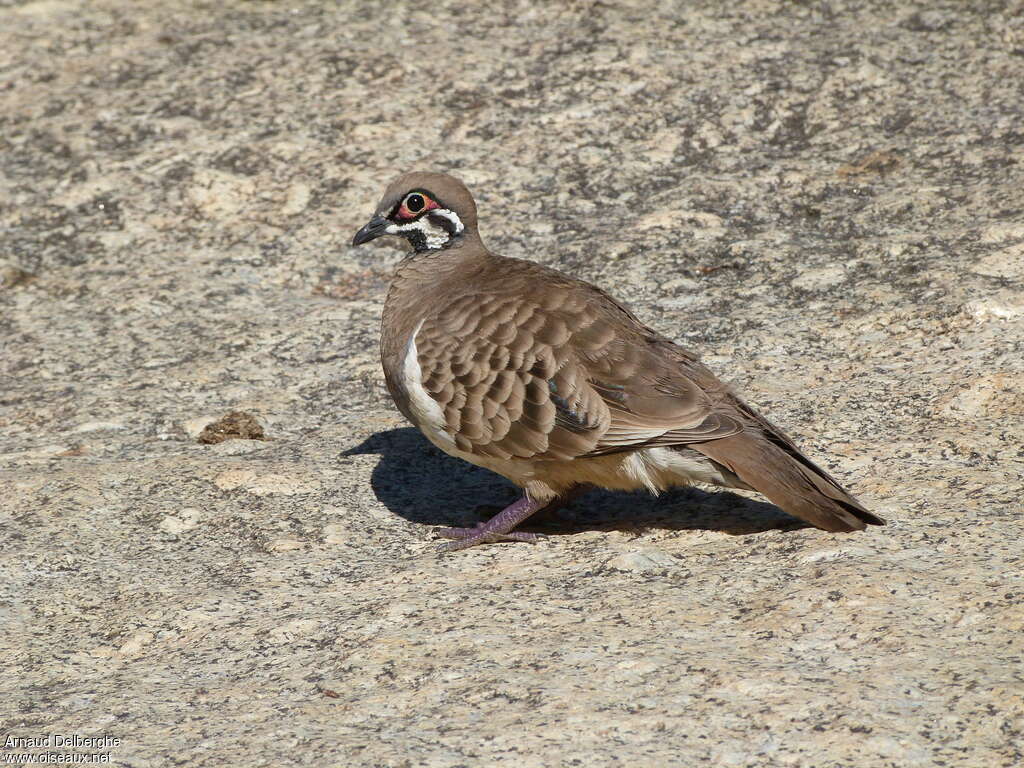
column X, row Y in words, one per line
column 498, row 528
column 479, row 535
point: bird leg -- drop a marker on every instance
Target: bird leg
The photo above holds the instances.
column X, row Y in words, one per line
column 499, row 527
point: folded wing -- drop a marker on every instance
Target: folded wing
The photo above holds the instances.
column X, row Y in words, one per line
column 560, row 375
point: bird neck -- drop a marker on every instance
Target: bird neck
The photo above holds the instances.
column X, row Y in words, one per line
column 428, row 278
column 424, row 281
column 433, row 264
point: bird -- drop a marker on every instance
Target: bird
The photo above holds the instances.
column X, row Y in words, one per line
column 550, row 382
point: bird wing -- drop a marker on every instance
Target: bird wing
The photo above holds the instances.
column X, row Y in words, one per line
column 542, row 366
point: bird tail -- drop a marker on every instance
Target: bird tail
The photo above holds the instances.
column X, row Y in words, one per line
column 767, row 460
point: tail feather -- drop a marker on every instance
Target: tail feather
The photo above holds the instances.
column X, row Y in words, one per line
column 766, row 459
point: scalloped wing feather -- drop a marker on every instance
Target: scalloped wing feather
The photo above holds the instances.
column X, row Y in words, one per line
column 562, row 372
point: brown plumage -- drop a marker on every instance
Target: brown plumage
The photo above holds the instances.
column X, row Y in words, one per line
column 550, row 382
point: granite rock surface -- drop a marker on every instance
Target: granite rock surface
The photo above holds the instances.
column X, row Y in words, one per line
column 825, row 199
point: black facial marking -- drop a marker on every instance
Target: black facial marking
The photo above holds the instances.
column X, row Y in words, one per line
column 442, row 221
column 416, row 239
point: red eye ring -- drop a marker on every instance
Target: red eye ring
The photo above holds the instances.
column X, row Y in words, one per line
column 414, row 204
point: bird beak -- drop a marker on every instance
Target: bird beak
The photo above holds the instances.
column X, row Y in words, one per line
column 373, row 229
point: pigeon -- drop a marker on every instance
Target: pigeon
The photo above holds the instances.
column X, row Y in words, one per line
column 550, row 382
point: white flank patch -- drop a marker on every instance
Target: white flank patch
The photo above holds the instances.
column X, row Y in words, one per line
column 429, row 417
column 428, row 413
column 662, row 468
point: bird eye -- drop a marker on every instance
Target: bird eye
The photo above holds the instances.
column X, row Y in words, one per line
column 414, row 204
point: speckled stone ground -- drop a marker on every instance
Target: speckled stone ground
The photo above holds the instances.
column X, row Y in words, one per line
column 826, row 199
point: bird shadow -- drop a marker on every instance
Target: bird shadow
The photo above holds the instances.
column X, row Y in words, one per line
column 420, row 483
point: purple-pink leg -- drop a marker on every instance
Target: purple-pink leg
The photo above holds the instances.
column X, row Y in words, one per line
column 498, row 528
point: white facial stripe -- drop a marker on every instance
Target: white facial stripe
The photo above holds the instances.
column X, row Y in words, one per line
column 453, row 217
column 435, row 237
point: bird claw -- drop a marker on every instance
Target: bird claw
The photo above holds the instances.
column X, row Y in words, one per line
column 498, row 528
column 464, row 538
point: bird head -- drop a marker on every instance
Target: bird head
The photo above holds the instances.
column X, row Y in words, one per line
column 430, row 210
